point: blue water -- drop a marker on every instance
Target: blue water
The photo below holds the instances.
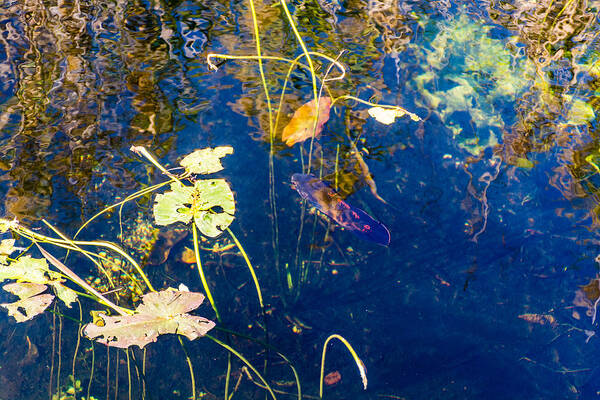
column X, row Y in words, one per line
column 491, row 203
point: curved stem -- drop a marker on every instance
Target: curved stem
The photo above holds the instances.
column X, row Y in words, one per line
column 142, row 151
column 361, row 367
column 412, row 116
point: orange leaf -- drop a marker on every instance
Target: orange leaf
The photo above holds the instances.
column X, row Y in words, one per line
column 301, row 125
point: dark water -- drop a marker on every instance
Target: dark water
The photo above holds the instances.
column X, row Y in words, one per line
column 492, row 199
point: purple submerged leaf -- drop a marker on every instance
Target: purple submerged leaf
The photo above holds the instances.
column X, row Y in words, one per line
column 330, row 203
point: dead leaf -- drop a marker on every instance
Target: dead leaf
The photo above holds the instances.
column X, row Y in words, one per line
column 587, row 296
column 388, row 116
column 366, row 173
column 301, row 125
column 31, row 302
column 160, row 313
column 188, row 256
column 164, row 243
column 540, row 319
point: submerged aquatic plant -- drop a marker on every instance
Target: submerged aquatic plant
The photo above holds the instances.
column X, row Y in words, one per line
column 467, row 70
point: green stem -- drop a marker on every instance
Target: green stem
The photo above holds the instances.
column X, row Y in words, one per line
column 190, row 366
column 361, row 367
column 245, row 361
column 37, row 237
column 201, row 272
column 250, row 268
column 142, row 151
column 65, row 270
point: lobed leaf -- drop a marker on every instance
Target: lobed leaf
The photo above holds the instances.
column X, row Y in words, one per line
column 173, row 206
column 31, row 302
column 7, row 246
column 160, row 313
column 66, row 294
column 209, row 202
column 212, row 194
column 205, row 161
column 27, row 269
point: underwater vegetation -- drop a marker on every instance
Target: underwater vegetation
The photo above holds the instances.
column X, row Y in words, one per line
column 128, row 305
column 203, row 275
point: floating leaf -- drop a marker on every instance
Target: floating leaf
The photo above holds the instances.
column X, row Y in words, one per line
column 173, row 206
column 210, row 202
column 212, row 194
column 7, row 246
column 206, row 161
column 302, row 123
column 27, row 269
column 388, row 116
column 160, row 313
column 67, row 295
column 31, row 302
column 6, row 224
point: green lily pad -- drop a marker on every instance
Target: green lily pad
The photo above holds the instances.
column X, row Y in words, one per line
column 209, row 202
column 160, row 313
column 212, row 194
column 174, row 206
column 27, row 269
column 206, row 161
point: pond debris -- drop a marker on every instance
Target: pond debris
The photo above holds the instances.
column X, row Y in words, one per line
column 588, row 296
column 165, row 242
column 302, row 123
column 160, row 313
column 30, row 303
column 540, row 319
column 205, row 161
column 332, row 378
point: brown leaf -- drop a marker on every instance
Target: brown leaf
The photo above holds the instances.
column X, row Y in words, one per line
column 301, row 125
column 540, row 319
